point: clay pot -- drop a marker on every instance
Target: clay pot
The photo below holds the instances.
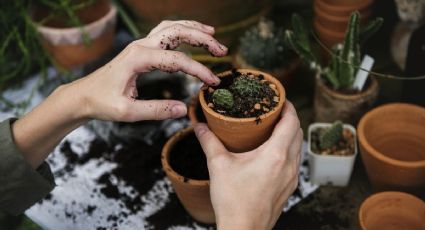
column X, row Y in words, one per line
column 283, row 74
column 66, row 45
column 331, row 105
column 244, row 134
column 194, row 111
column 193, row 194
column 229, row 24
column 392, row 146
column 332, row 17
column 328, row 169
column 392, row 211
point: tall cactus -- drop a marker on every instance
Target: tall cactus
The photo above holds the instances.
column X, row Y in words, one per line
column 332, row 135
column 345, row 58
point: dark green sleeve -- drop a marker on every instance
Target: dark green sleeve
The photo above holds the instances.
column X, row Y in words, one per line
column 20, row 185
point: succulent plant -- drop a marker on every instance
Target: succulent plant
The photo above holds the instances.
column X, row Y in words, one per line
column 263, row 46
column 246, row 87
column 223, row 98
column 345, row 59
column 331, row 136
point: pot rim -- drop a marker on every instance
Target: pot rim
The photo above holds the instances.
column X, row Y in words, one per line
column 369, row 90
column 389, row 194
column 318, row 26
column 316, row 125
column 361, row 5
column 337, row 19
column 165, row 158
column 268, row 77
column 373, row 151
column 94, row 29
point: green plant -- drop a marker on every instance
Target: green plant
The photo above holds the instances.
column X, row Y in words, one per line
column 345, row 60
column 223, row 98
column 263, row 46
column 331, row 136
column 246, row 87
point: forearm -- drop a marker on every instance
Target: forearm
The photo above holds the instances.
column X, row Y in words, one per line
column 37, row 133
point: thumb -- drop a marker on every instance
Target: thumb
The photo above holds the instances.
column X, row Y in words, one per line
column 211, row 145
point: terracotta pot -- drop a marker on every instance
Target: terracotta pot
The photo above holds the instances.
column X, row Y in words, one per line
column 67, row 47
column 392, row 211
column 193, row 194
column 228, row 23
column 194, row 111
column 392, row 146
column 343, row 8
column 244, row 134
column 331, row 105
column 328, row 37
column 283, row 74
column 337, row 23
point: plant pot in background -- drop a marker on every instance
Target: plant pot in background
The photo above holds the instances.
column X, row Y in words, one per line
column 229, row 23
column 392, row 146
column 331, row 105
column 392, row 210
column 193, row 194
column 67, row 46
column 283, row 74
column 332, row 17
column 330, row 169
column 244, row 134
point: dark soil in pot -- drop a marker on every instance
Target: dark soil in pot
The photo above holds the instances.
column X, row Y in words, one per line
column 345, row 147
column 244, row 106
column 188, row 159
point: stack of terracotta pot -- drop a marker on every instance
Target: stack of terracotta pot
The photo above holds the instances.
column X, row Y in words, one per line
column 332, row 16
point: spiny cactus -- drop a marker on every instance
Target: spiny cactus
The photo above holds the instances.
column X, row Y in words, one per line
column 331, row 136
column 345, row 58
column 263, row 46
column 246, row 87
column 223, row 98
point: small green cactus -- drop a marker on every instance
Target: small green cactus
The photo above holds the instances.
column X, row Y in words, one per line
column 331, row 136
column 223, row 98
column 263, row 46
column 247, row 87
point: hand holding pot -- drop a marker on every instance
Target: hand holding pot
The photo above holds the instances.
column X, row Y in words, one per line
column 248, row 190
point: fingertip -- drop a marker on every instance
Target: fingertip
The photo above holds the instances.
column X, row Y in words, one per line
column 178, row 110
column 200, row 129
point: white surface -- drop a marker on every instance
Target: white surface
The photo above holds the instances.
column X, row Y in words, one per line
column 73, row 192
column 335, row 170
column 362, row 73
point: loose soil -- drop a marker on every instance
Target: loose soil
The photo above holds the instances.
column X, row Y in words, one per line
column 244, row 107
column 345, row 147
column 188, row 159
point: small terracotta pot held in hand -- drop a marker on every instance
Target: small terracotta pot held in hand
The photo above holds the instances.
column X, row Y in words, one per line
column 331, row 105
column 244, row 134
column 193, row 194
column 392, row 146
column 392, row 211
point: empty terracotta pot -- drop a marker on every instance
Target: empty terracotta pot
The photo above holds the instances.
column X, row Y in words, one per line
column 392, row 211
column 193, row 194
column 392, row 146
column 328, row 37
column 343, row 8
column 244, row 134
column 66, row 44
column 331, row 105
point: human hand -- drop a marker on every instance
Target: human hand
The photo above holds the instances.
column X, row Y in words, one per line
column 249, row 190
column 109, row 93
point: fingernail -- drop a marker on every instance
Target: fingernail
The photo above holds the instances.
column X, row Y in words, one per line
column 222, row 47
column 215, row 80
column 178, row 111
column 199, row 129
